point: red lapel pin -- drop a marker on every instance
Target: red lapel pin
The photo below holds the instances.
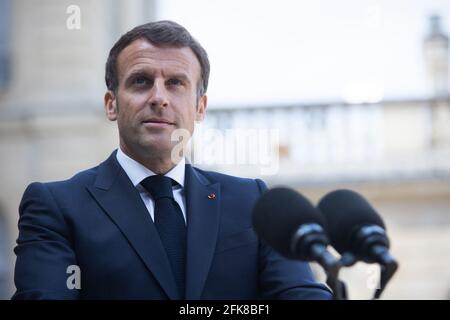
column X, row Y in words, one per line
column 212, row 195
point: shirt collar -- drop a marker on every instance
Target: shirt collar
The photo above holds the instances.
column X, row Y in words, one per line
column 138, row 172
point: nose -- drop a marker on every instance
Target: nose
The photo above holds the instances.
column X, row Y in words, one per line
column 158, row 95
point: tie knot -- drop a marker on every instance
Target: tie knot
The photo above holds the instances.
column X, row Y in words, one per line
column 158, row 186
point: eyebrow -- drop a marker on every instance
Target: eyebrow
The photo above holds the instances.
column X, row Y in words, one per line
column 136, row 73
column 180, row 76
column 143, row 73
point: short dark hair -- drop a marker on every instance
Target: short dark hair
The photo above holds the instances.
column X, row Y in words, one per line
column 164, row 33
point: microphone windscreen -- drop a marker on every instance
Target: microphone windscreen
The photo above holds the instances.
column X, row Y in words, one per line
column 345, row 212
column 277, row 215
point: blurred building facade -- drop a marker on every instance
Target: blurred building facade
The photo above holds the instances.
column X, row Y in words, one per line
column 51, row 96
column 396, row 153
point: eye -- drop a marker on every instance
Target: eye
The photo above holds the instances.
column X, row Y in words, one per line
column 141, row 81
column 174, row 82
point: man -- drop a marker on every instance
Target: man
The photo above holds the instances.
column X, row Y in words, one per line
column 141, row 225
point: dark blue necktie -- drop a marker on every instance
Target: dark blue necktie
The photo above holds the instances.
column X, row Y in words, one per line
column 170, row 224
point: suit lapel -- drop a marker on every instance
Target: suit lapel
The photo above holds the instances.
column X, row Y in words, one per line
column 118, row 197
column 202, row 229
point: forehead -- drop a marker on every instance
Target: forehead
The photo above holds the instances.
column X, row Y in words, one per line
column 142, row 55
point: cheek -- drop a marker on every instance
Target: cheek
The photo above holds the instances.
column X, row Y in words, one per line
column 189, row 116
column 184, row 109
column 129, row 108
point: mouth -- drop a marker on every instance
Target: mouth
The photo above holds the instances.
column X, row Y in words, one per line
column 158, row 122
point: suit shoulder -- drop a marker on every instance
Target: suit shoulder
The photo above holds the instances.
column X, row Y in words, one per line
column 82, row 178
column 226, row 179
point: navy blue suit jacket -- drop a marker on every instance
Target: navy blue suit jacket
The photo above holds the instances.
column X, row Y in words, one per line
column 97, row 221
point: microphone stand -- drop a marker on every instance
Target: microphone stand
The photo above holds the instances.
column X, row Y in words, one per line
column 387, row 263
column 337, row 286
column 311, row 238
column 332, row 267
column 388, row 267
column 373, row 247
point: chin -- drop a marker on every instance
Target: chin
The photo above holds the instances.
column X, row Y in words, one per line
column 153, row 148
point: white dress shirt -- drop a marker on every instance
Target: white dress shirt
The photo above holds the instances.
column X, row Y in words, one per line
column 137, row 172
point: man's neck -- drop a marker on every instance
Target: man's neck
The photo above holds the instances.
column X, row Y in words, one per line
column 158, row 164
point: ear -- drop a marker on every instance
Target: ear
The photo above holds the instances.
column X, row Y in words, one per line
column 201, row 108
column 110, row 105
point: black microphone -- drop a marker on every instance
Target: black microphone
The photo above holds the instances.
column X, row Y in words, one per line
column 290, row 224
column 354, row 226
column 357, row 231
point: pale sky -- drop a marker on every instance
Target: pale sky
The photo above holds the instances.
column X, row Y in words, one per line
column 264, row 52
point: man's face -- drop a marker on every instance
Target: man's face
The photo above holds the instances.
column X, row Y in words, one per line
column 157, row 93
